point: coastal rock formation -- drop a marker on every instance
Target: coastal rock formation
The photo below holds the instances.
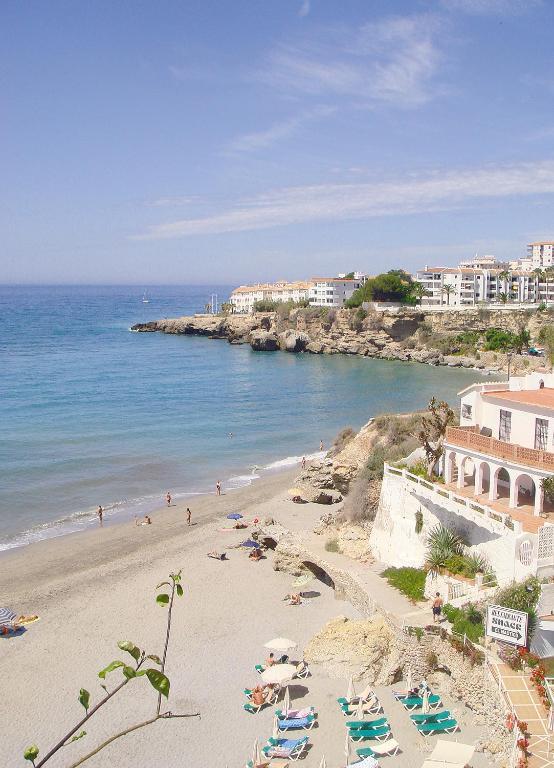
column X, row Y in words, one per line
column 264, row 341
column 366, row 648
column 393, row 334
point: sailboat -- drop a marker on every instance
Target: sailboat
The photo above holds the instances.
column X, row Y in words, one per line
column 145, row 299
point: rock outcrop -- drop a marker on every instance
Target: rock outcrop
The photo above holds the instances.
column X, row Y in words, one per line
column 403, row 334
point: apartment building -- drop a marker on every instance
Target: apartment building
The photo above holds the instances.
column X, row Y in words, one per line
column 541, row 254
column 244, row 297
column 334, row 291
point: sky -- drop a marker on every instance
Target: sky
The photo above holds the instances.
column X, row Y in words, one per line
column 202, row 141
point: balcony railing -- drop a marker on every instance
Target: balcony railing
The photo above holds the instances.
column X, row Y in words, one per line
column 469, row 437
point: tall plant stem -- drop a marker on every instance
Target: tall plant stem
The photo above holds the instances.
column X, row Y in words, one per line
column 167, row 633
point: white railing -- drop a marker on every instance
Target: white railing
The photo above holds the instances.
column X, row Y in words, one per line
column 496, row 521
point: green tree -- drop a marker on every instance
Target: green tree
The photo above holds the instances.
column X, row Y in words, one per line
column 419, row 292
column 395, row 285
column 505, row 277
column 448, row 289
column 539, row 278
column 503, row 297
column 433, row 430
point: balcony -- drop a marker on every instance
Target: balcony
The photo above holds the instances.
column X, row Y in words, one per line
column 470, row 438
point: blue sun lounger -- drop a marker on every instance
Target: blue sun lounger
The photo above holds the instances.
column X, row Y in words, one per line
column 289, row 749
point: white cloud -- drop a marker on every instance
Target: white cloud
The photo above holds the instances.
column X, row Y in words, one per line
column 304, row 8
column 392, row 61
column 336, row 202
column 492, row 7
column 250, row 142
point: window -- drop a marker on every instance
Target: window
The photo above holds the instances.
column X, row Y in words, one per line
column 541, row 434
column 505, row 426
column 466, row 411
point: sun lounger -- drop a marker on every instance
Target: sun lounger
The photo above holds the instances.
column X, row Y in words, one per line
column 390, row 747
column 366, row 734
column 297, row 724
column 449, row 754
column 259, row 668
column 293, row 714
column 431, row 717
column 370, row 707
column 443, row 726
column 252, row 708
column 290, row 749
column 366, row 762
column 416, row 702
column 356, row 724
column 302, row 670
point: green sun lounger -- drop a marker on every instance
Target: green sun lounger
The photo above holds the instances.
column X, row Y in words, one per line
column 442, row 726
column 365, row 724
column 366, row 734
column 416, row 702
column 431, row 717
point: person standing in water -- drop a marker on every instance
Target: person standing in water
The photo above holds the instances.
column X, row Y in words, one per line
column 321, row 445
column 188, row 516
column 168, row 498
column 100, row 514
column 218, row 487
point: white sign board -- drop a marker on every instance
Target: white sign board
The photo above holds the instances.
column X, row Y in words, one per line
column 507, row 625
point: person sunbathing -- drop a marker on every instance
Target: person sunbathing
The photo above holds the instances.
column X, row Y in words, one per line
column 258, row 696
column 270, row 661
column 146, row 521
column 238, row 524
column 295, row 599
column 256, row 554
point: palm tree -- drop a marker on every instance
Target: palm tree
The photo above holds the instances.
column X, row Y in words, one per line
column 418, row 291
column 448, row 289
column 504, row 276
column 503, row 297
column 548, row 272
column 539, row 277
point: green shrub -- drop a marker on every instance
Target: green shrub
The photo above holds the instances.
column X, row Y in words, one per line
column 409, row 581
column 419, row 468
column 465, row 621
column 521, row 596
column 332, row 545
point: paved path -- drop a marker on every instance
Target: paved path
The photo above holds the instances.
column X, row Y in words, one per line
column 525, row 702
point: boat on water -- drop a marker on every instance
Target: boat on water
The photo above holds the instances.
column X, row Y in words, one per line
column 145, row 299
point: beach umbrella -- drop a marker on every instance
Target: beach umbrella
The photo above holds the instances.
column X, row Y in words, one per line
column 7, row 617
column 425, row 703
column 280, row 674
column 256, row 755
column 250, row 543
column 234, row 516
column 303, row 580
column 286, row 702
column 351, row 692
column 275, row 732
column 347, row 747
column 360, row 709
column 280, row 644
column 409, row 679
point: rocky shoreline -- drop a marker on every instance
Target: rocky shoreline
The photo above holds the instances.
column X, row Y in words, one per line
column 406, row 334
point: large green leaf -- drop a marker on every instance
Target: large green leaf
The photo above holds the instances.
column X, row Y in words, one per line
column 158, row 681
column 162, row 599
column 129, row 672
column 127, row 645
column 31, row 753
column 84, row 698
column 110, row 668
column 179, row 590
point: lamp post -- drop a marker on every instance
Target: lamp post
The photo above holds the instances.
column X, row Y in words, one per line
column 509, row 356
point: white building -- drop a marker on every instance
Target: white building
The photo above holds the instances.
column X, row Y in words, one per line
column 333, row 291
column 244, row 297
column 466, row 286
column 541, row 254
column 504, row 446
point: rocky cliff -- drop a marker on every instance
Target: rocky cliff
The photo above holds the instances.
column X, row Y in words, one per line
column 405, row 334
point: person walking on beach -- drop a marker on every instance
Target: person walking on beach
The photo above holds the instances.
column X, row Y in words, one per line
column 168, row 498
column 303, row 462
column 321, row 445
column 437, row 607
column 100, row 514
column 188, row 516
column 218, row 487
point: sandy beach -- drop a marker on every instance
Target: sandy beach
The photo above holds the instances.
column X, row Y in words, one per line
column 95, row 588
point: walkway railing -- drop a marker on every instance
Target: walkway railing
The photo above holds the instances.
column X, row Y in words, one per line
column 496, row 521
column 470, row 437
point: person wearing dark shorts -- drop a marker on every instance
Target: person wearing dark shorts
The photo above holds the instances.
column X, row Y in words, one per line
column 437, row 607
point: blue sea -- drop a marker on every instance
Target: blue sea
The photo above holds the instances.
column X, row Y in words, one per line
column 91, row 413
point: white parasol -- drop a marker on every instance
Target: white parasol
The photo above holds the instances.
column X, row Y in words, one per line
column 425, row 702
column 286, row 702
column 360, row 709
column 279, row 673
column 280, row 644
column 275, row 733
column 323, row 764
column 347, row 747
column 409, row 679
column 351, row 692
column 256, row 754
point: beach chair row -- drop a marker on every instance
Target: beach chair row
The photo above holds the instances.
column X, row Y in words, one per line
column 437, row 720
